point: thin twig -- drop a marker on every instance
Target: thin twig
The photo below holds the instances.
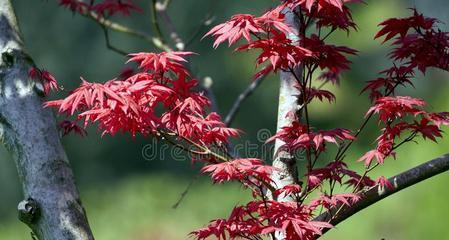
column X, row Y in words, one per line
column 241, row 98
column 114, row 26
column 156, row 24
column 207, row 21
column 344, row 147
column 110, row 46
column 161, row 8
column 186, row 191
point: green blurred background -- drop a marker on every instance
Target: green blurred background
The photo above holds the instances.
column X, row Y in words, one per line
column 128, row 196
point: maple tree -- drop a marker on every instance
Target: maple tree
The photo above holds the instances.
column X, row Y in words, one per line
column 161, row 99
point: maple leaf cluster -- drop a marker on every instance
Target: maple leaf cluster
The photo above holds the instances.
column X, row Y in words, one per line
column 300, row 137
column 418, row 42
column 418, row 45
column 45, row 78
column 104, row 8
column 271, row 35
column 240, row 170
column 157, row 99
column 285, row 47
column 161, row 99
column 393, row 113
column 265, row 217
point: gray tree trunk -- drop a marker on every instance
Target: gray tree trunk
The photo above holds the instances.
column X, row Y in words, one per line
column 283, row 159
column 52, row 207
column 288, row 102
column 289, row 96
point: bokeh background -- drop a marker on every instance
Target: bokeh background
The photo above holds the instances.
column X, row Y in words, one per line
column 129, row 195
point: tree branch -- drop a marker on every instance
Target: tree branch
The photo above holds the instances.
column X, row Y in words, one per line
column 161, row 8
column 52, row 206
column 155, row 22
column 241, row 98
column 110, row 46
column 117, row 27
column 375, row 194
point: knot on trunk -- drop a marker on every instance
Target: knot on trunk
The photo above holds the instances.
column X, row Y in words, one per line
column 11, row 56
column 28, row 211
column 8, row 58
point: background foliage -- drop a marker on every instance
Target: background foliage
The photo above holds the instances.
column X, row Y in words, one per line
column 128, row 197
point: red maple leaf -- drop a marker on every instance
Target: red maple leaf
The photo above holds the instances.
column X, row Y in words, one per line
column 319, row 4
column 48, row 81
column 239, row 169
column 400, row 26
column 71, row 126
column 329, row 57
column 279, row 51
column 241, row 25
column 390, row 108
column 384, row 183
column 161, row 62
column 75, row 5
column 370, row 156
column 111, row 7
column 320, row 94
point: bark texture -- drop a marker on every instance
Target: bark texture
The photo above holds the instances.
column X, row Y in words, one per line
column 283, row 159
column 52, row 207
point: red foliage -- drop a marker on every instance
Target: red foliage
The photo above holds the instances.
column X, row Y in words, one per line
column 418, row 42
column 390, row 108
column 239, row 169
column 69, row 126
column 279, row 51
column 288, row 218
column 394, row 26
column 334, row 18
column 241, row 25
column 103, row 8
column 75, row 5
column 384, row 183
column 129, row 105
column 329, row 202
column 287, row 190
column 111, row 7
column 373, row 154
column 394, row 112
column 320, row 94
column 319, row 5
column 329, row 57
column 45, row 78
column 162, row 99
column 298, row 136
column 161, row 62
